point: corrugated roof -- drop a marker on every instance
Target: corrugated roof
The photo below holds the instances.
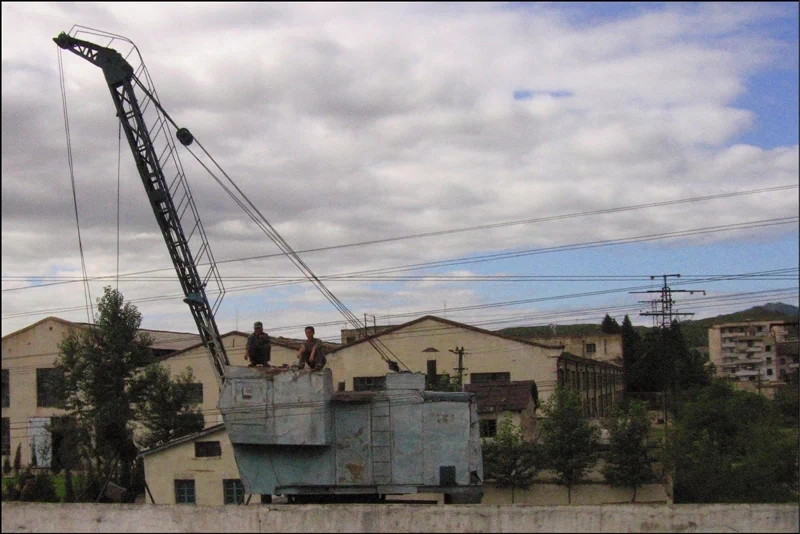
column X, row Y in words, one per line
column 496, row 397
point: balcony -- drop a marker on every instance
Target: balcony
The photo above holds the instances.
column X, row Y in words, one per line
column 746, row 372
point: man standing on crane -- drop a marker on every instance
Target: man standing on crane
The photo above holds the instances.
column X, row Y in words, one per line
column 258, row 349
column 311, row 351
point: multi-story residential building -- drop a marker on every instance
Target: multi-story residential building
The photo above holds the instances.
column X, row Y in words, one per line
column 746, row 353
column 28, row 360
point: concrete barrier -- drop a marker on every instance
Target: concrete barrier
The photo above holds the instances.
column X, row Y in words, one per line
column 41, row 517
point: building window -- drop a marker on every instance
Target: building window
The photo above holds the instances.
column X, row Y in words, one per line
column 488, row 428
column 194, row 393
column 6, row 389
column 184, row 492
column 369, row 383
column 46, row 391
column 769, row 360
column 769, row 372
column 768, row 348
column 432, row 370
column 6, row 436
column 349, row 339
column 234, row 491
column 483, row 378
column 340, row 386
column 207, row 449
column 590, row 348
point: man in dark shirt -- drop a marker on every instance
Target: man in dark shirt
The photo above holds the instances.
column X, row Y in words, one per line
column 311, row 352
column 258, row 349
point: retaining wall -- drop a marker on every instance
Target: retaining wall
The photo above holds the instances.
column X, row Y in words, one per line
column 41, row 517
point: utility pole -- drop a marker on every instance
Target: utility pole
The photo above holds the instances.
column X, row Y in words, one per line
column 460, row 368
column 662, row 312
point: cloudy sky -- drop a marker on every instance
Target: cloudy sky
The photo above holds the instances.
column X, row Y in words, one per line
column 497, row 164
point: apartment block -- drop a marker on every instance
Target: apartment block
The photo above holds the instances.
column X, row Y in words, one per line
column 747, row 354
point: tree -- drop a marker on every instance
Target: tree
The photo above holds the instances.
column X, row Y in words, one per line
column 631, row 352
column 18, row 459
column 7, row 466
column 727, row 446
column 787, row 402
column 104, row 371
column 628, row 463
column 508, row 460
column 443, row 382
column 610, row 325
column 569, row 440
column 167, row 411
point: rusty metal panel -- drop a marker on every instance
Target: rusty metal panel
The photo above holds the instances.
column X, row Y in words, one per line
column 353, row 430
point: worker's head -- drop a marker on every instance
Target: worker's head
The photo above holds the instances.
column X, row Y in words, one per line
column 258, row 326
column 309, row 332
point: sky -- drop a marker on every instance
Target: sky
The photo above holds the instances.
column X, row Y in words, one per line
column 502, row 164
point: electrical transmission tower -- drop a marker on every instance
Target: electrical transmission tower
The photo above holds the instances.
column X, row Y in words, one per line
column 661, row 308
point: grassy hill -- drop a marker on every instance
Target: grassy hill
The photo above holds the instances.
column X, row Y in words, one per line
column 694, row 331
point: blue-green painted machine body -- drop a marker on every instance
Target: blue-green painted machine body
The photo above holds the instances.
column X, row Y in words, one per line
column 293, row 435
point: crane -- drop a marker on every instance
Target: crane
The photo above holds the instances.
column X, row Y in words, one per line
column 291, row 433
column 168, row 209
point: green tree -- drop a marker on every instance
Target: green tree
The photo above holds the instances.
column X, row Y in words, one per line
column 628, row 463
column 508, row 460
column 443, row 382
column 69, row 490
column 787, row 402
column 105, row 370
column 167, row 411
column 631, row 353
column 18, row 459
column 727, row 446
column 610, row 325
column 569, row 440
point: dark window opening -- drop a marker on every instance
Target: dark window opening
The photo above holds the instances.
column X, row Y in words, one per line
column 194, row 393
column 234, row 491
column 340, row 386
column 184, row 492
column 206, row 449
column 47, row 388
column 6, row 389
column 483, row 378
column 6, row 436
column 591, row 347
column 369, row 383
column 488, row 428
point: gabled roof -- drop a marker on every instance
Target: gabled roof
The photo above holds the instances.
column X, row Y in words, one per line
column 162, row 339
column 184, row 439
column 496, row 397
column 589, row 361
column 449, row 323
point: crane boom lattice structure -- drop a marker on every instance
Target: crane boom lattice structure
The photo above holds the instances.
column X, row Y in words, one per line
column 163, row 178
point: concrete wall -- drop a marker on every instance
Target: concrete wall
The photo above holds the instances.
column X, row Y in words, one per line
column 544, row 494
column 39, row 517
column 608, row 347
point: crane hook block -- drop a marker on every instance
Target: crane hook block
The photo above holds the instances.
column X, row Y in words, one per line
column 184, row 136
